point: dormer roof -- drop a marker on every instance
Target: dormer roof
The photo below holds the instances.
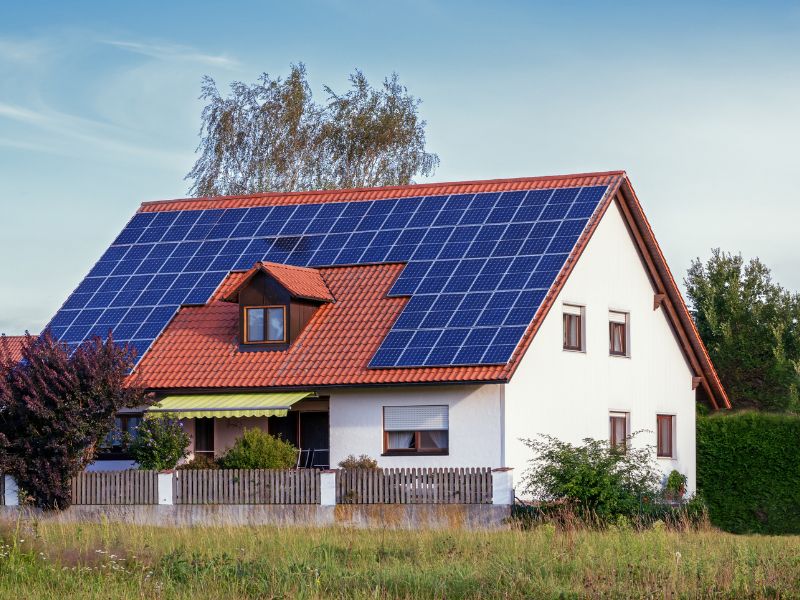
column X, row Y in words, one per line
column 300, row 282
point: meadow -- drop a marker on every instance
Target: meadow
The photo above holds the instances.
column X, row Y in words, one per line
column 48, row 560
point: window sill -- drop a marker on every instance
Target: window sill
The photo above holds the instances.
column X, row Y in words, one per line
column 612, row 355
column 666, row 457
column 423, row 453
column 574, row 350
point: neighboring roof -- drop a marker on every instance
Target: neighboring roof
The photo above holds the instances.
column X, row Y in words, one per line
column 199, row 347
column 300, row 282
column 11, row 346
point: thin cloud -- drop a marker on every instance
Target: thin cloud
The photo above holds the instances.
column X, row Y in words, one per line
column 22, row 51
column 174, row 52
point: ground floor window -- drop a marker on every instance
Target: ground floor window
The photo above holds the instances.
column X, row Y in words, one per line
column 665, row 428
column 115, row 445
column 618, row 430
column 204, row 437
column 416, row 430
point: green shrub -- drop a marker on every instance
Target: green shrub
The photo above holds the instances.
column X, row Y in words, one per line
column 362, row 462
column 748, row 471
column 596, row 480
column 200, row 461
column 160, row 443
column 675, row 486
column 257, row 449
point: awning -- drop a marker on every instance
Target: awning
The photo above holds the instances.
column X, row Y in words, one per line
column 229, row 405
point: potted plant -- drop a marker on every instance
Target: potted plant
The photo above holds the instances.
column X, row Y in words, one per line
column 675, row 487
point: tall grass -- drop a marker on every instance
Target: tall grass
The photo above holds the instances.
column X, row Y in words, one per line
column 118, row 561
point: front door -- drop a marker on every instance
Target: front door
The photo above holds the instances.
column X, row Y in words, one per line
column 315, row 438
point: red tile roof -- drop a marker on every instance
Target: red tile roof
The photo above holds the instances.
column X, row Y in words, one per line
column 11, row 346
column 301, row 282
column 403, row 191
column 199, row 348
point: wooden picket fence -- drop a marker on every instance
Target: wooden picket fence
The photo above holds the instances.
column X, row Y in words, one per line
column 414, row 486
column 115, row 487
column 247, row 486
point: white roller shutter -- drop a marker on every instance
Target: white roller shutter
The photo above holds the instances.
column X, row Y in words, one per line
column 571, row 309
column 415, row 418
column 617, row 317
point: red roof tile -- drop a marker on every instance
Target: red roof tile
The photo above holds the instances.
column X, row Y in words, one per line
column 11, row 346
column 199, row 348
column 301, row 282
column 403, row 191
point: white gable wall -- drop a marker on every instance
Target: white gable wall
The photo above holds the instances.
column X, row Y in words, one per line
column 569, row 394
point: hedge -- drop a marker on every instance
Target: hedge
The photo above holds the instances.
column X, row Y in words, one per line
column 748, row 471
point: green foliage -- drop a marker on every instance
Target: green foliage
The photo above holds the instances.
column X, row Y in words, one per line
column 273, row 136
column 750, row 326
column 257, row 449
column 676, row 484
column 596, row 479
column 362, row 462
column 160, row 443
column 56, row 407
column 748, row 471
column 200, row 461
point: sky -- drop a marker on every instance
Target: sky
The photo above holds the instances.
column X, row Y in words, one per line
column 699, row 102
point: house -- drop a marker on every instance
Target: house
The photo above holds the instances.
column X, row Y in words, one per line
column 423, row 325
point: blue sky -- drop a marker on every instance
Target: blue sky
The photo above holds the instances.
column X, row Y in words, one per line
column 697, row 101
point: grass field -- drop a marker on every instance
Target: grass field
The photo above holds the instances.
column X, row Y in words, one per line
column 116, row 561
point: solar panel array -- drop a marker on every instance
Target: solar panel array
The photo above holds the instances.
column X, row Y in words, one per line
column 478, row 266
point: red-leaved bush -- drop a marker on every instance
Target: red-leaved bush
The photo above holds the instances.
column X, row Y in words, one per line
column 56, row 406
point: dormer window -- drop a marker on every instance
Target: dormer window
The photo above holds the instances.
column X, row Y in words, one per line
column 265, row 324
column 276, row 302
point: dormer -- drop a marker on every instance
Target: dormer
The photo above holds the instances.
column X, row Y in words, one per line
column 276, row 302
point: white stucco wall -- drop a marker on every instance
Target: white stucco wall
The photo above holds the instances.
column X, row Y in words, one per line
column 356, row 424
column 570, row 394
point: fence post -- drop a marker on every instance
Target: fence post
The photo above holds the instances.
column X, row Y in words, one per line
column 11, row 491
column 327, row 488
column 165, row 487
column 503, row 486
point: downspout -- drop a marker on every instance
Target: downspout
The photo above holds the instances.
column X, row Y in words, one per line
column 502, row 424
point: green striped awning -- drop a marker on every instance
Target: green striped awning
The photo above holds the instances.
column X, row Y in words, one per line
column 229, row 405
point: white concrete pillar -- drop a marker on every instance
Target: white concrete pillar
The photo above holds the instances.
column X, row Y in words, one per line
column 12, row 491
column 327, row 488
column 503, row 486
column 165, row 487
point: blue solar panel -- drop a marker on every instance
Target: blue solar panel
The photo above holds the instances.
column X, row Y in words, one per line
column 478, row 265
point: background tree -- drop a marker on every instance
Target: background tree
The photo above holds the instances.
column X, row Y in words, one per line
column 56, row 406
column 750, row 326
column 272, row 136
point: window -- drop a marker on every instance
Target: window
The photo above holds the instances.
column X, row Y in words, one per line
column 204, row 437
column 415, row 430
column 618, row 430
column 665, row 429
column 573, row 327
column 125, row 429
column 265, row 324
column 618, row 333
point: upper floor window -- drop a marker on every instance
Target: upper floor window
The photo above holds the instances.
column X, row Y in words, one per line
column 618, row 333
column 264, row 324
column 573, row 327
column 618, row 430
column 665, row 436
column 415, row 429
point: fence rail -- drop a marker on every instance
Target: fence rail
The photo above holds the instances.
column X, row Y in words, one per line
column 115, row 487
column 247, row 486
column 414, row 486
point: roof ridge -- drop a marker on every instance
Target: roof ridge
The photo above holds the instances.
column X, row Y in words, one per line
column 153, row 205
